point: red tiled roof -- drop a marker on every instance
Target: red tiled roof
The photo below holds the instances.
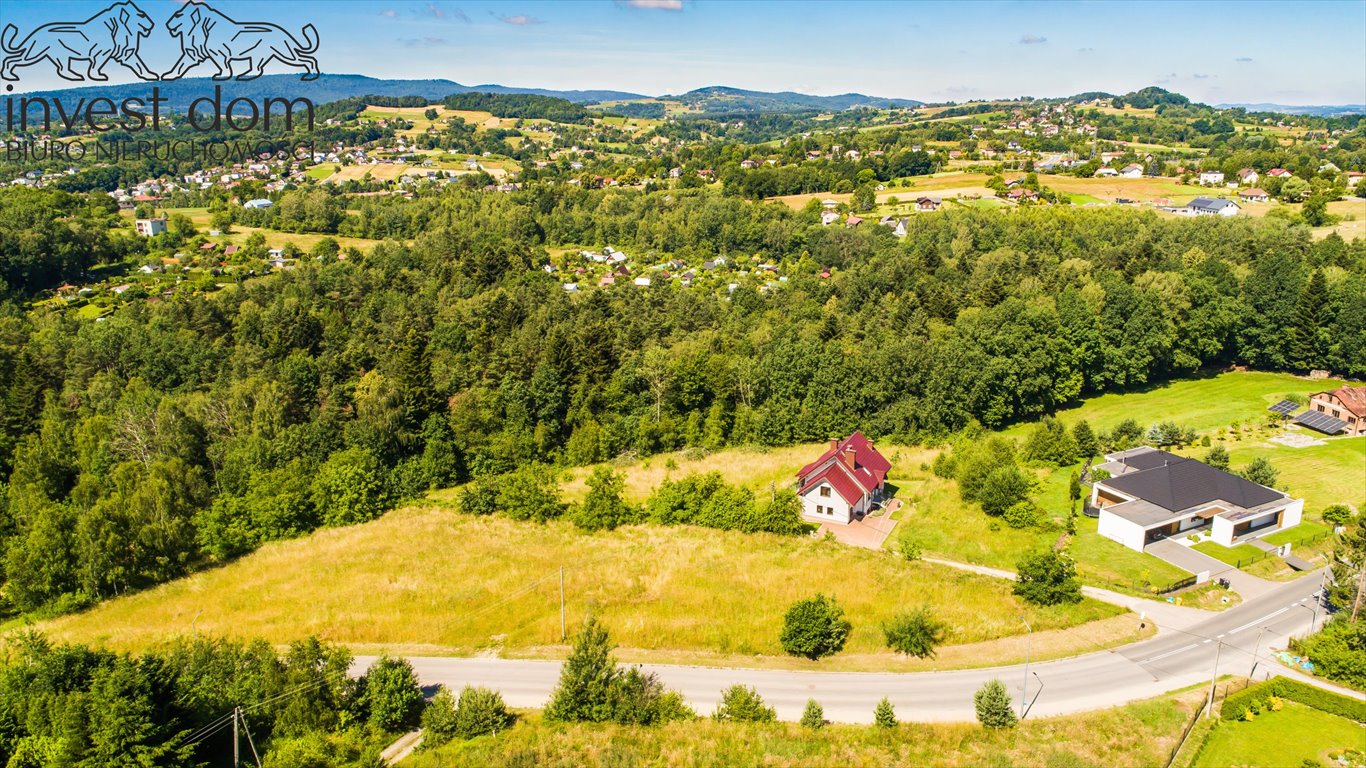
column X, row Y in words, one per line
column 1352, row 398
column 869, row 471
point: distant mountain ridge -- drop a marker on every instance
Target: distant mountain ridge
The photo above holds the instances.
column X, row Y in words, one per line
column 720, row 98
column 179, row 93
column 712, row 99
column 1314, row 110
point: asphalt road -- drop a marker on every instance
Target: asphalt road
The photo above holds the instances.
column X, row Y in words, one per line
column 1177, row 658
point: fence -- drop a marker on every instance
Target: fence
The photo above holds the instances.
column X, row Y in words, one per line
column 1175, row 585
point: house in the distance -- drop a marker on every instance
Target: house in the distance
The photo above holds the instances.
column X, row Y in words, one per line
column 1247, row 176
column 1254, row 195
column 150, row 227
column 1151, row 494
column 1210, row 178
column 1131, row 171
column 1346, row 404
column 844, row 483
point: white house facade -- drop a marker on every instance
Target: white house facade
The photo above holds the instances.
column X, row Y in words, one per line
column 843, row 484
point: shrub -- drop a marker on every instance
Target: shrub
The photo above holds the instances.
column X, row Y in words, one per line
column 392, row 695
column 884, row 715
column 603, row 508
column 813, row 716
column 814, row 628
column 1337, row 514
column 350, row 488
column 1050, row 443
column 1217, row 457
column 480, row 711
column 1048, row 578
column 593, row 690
column 1021, row 514
column 1261, row 472
column 438, row 719
column 914, row 634
column 1002, row 488
column 743, row 704
column 1237, row 704
column 530, row 493
column 993, row 705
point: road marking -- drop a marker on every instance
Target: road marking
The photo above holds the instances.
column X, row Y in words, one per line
column 1207, row 642
column 1258, row 621
column 1215, row 636
column 1168, row 653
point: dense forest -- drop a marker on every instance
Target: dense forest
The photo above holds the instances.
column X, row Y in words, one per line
column 174, row 433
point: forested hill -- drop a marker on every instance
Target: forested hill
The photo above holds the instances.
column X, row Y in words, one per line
column 720, row 99
column 182, row 431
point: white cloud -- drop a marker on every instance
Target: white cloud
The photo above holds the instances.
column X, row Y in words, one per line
column 1032, row 39
column 520, row 20
column 389, row 13
column 658, row 5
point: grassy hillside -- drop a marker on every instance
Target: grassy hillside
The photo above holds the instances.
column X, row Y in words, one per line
column 1139, row 734
column 426, row 579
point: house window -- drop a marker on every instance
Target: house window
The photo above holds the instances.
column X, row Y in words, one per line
column 1321, row 408
column 825, row 491
column 820, row 510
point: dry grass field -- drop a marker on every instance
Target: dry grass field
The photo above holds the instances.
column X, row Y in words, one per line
column 305, row 240
column 1139, row 734
column 428, row 579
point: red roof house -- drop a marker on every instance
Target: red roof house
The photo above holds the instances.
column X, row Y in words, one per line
column 844, row 483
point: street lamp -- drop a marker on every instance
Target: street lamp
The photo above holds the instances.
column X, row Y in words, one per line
column 1028, row 640
column 1255, row 650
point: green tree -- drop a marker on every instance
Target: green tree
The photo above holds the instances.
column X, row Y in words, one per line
column 1337, row 514
column 916, row 633
column 393, row 698
column 863, row 199
column 814, row 628
column 1217, row 457
column 994, row 709
column 350, row 488
column 1261, row 472
column 480, row 711
column 742, row 704
column 1315, row 210
column 1309, row 335
column 1047, row 578
column 1349, row 569
column 1087, row 445
column 531, row 492
column 584, row 693
column 813, row 715
column 438, row 719
column 603, row 508
column 884, row 715
column 1003, row 488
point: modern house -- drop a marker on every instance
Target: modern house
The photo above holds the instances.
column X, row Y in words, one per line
column 1211, row 206
column 844, row 483
column 150, row 227
column 1152, row 494
column 1210, row 178
column 1346, row 404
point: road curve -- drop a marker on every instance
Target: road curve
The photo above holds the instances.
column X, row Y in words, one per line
column 1177, row 658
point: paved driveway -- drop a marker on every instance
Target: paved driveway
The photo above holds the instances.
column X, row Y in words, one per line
column 869, row 532
column 1246, row 585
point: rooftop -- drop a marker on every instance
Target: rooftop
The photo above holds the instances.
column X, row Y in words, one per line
column 1178, row 484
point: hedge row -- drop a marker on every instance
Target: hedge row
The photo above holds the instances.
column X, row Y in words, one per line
column 1324, row 701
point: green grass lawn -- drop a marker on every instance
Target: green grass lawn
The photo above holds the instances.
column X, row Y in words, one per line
column 1201, row 404
column 1111, row 564
column 1081, row 198
column 1286, row 738
column 1320, row 474
column 1238, row 553
column 1305, row 530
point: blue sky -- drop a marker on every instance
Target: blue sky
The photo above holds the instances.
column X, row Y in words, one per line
column 1251, row 51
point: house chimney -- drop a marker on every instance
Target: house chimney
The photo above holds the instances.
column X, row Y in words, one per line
column 834, row 443
column 848, row 457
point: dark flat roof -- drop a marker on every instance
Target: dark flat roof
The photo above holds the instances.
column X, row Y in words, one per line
column 1184, row 483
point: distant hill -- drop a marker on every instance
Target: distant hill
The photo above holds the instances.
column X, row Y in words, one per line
column 720, row 99
column 179, row 93
column 1324, row 110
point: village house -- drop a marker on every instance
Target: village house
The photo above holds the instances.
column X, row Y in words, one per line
column 829, row 217
column 150, row 227
column 845, row 483
column 1132, row 171
column 1248, row 176
column 1254, row 195
column 1105, row 173
column 1279, row 173
column 926, row 204
column 1151, row 495
column 1346, row 404
column 1209, row 178
column 1210, row 206
column 1354, row 178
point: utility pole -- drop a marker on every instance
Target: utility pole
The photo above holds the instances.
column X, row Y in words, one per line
column 1255, row 650
column 563, row 634
column 1361, row 589
column 1028, row 640
column 1209, row 708
column 236, row 711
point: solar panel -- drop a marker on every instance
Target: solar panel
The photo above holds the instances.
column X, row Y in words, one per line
column 1285, row 407
column 1321, row 422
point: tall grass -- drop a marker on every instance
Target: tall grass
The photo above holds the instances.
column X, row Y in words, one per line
column 428, row 579
column 1139, row 734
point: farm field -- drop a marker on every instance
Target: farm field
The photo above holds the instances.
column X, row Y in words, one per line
column 200, row 218
column 428, row 580
column 1138, row 734
column 1296, row 735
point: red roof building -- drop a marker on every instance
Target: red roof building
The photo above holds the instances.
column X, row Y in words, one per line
column 1346, row 404
column 844, row 483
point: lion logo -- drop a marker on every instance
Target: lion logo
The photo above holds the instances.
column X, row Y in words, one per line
column 208, row 35
column 113, row 34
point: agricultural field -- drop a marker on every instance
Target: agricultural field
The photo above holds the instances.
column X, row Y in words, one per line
column 429, row 580
column 414, row 115
column 1139, row 734
column 200, row 217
